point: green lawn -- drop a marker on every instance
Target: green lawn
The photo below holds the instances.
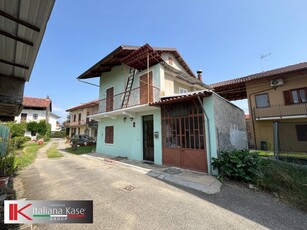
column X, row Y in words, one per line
column 27, row 154
column 287, row 181
column 285, row 154
column 82, row 149
column 53, row 151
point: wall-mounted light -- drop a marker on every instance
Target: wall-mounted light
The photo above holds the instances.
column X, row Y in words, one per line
column 124, row 119
column 131, row 118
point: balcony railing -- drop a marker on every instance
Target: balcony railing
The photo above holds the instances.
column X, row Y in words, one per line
column 138, row 96
column 281, row 111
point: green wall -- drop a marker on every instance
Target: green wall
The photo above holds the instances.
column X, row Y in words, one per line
column 128, row 140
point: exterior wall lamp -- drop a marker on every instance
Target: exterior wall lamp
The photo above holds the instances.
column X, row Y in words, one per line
column 124, row 119
column 131, row 118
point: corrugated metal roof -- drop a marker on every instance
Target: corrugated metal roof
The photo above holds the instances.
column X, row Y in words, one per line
column 19, row 44
column 181, row 97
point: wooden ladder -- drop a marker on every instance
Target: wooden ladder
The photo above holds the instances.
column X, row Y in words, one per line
column 128, row 88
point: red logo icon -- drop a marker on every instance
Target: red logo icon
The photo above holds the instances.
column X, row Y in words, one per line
column 14, row 212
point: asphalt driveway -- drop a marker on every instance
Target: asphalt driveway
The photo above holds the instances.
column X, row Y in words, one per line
column 152, row 204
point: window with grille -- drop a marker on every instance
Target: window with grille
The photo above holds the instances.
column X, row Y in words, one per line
column 109, row 135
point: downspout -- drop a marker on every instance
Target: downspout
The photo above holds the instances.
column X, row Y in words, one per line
column 209, row 139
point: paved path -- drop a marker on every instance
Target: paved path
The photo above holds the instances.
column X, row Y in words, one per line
column 153, row 204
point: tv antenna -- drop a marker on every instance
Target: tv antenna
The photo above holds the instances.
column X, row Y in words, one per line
column 263, row 56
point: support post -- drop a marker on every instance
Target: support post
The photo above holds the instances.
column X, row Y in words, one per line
column 276, row 139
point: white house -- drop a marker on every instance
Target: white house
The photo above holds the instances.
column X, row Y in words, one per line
column 36, row 109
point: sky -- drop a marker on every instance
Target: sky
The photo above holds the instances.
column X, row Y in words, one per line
column 223, row 38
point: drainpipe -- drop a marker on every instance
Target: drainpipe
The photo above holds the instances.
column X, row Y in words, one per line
column 209, row 139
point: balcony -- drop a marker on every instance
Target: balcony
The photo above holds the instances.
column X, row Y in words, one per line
column 138, row 96
column 74, row 123
column 281, row 112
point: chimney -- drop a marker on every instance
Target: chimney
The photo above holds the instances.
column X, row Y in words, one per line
column 199, row 75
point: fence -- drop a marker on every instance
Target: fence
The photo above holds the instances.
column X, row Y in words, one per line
column 290, row 137
column 4, row 137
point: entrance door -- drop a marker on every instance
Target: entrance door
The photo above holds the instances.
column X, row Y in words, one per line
column 148, row 138
column 146, row 94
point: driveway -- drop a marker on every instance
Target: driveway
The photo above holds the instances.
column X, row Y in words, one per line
column 153, row 204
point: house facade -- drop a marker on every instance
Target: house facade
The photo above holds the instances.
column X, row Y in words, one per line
column 277, row 100
column 36, row 109
column 153, row 108
column 79, row 122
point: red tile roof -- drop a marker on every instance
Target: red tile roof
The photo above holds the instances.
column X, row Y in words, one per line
column 36, row 102
column 120, row 54
column 84, row 105
column 235, row 89
column 282, row 70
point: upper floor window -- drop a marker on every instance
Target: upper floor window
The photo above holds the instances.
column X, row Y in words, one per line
column 75, row 117
column 170, row 60
column 79, row 117
column 35, row 116
column 182, row 90
column 295, row 96
column 262, row 100
column 23, row 117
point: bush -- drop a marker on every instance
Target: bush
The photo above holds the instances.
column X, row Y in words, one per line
column 287, row 181
column 16, row 129
column 58, row 134
column 240, row 165
column 27, row 138
column 19, row 141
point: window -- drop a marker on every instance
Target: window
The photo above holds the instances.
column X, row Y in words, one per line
column 23, row 117
column 262, row 100
column 35, row 116
column 295, row 96
column 301, row 132
column 74, row 117
column 182, row 90
column 109, row 135
column 79, row 117
column 170, row 60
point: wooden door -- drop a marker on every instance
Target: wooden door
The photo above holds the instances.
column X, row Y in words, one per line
column 109, row 99
column 146, row 90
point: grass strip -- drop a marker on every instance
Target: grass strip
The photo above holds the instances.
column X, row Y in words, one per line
column 27, row 155
column 53, row 151
column 82, row 149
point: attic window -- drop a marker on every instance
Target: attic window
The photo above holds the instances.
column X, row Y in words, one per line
column 170, row 60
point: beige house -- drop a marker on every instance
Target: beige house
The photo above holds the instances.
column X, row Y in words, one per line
column 277, row 96
column 79, row 122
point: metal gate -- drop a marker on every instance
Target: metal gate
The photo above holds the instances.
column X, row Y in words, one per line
column 183, row 136
column 4, row 136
